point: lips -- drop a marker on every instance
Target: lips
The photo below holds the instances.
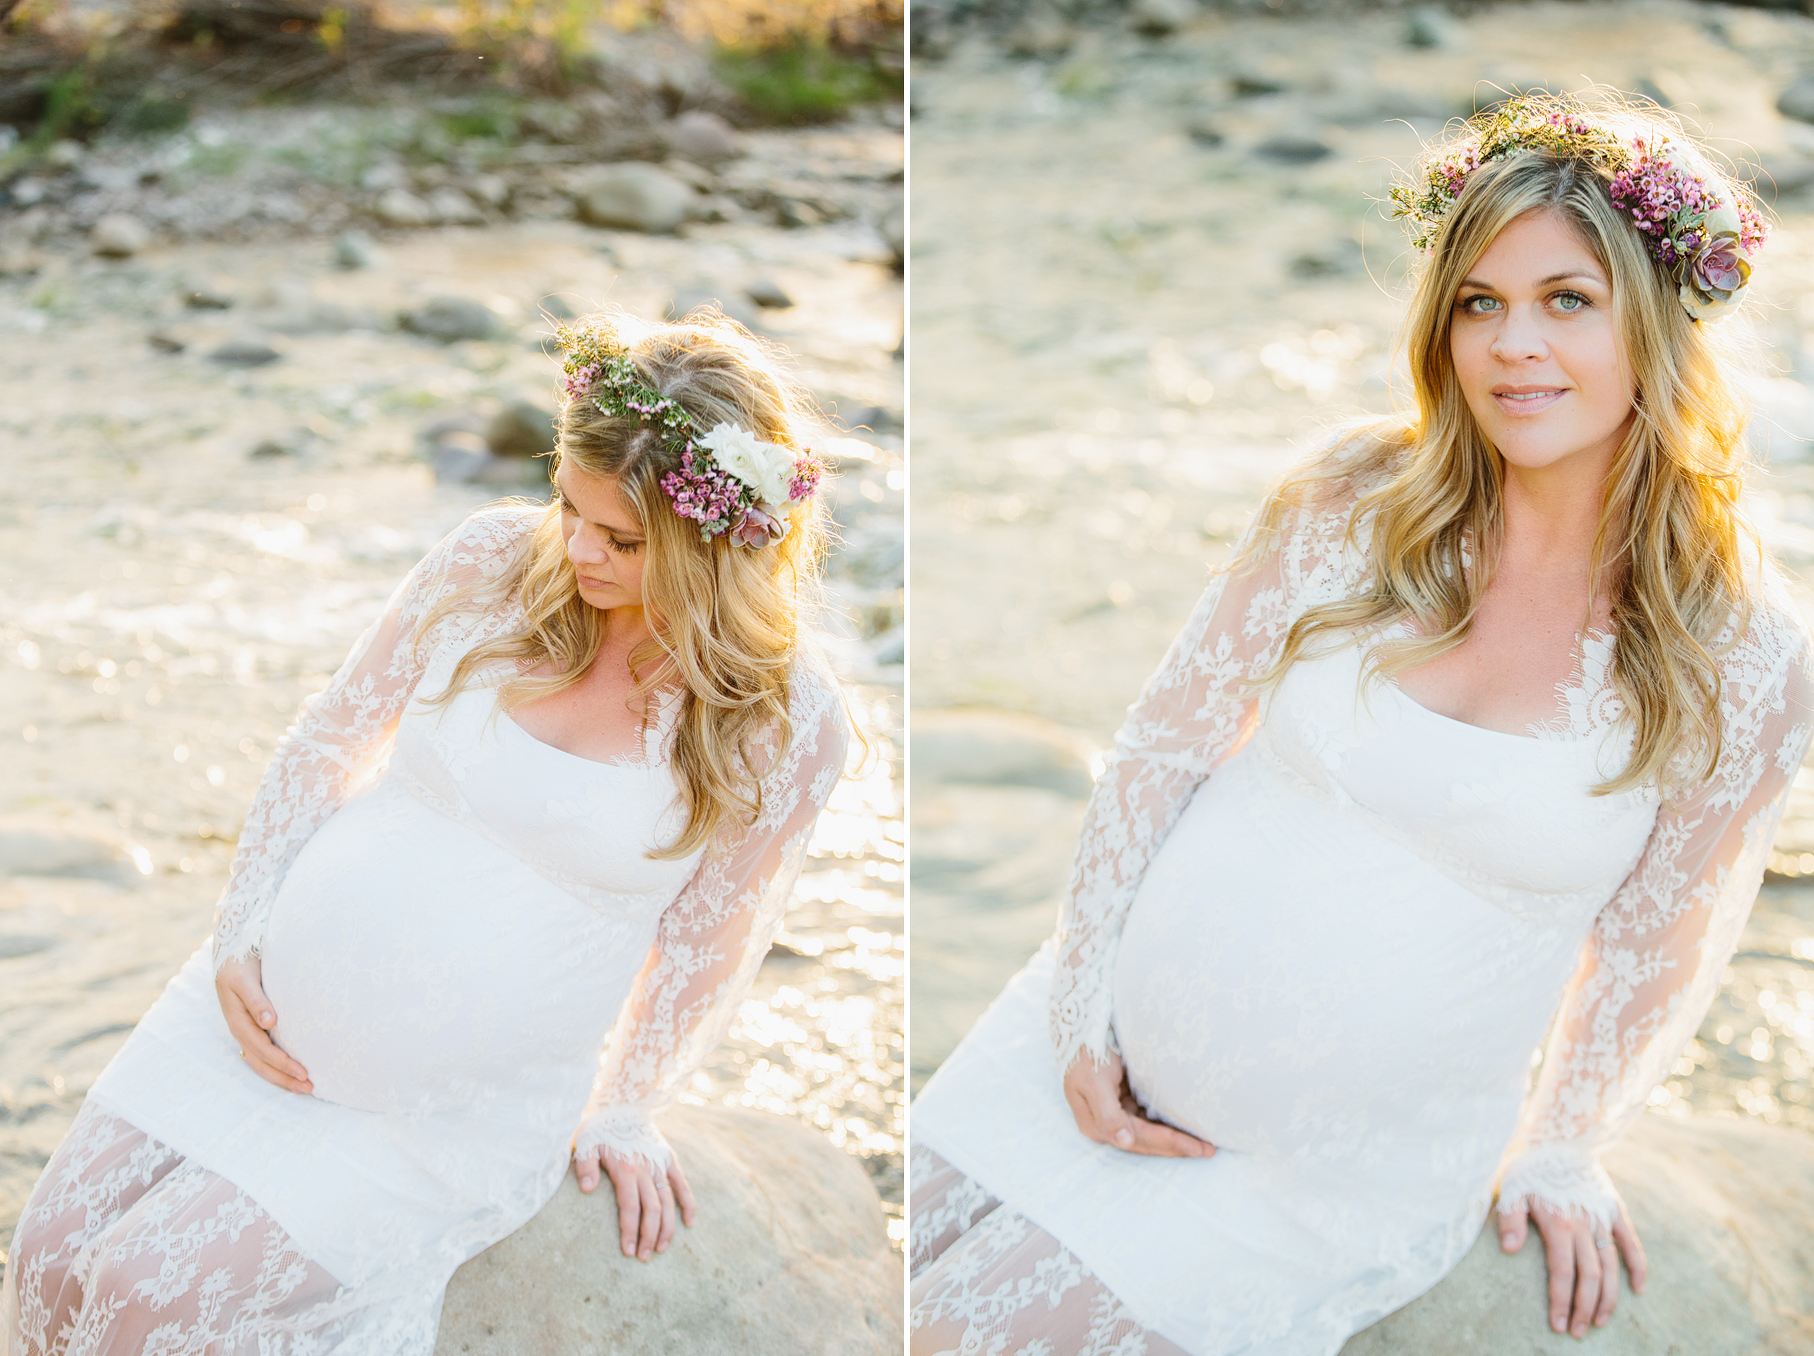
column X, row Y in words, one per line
column 1517, row 400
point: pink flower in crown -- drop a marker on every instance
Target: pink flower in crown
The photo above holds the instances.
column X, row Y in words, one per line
column 758, row 527
column 1720, row 267
column 806, row 473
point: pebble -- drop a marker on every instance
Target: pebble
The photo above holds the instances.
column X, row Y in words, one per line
column 26, row 192
column 457, row 456
column 521, row 429
column 1292, row 148
column 64, row 155
column 1430, row 26
column 490, row 190
column 1797, row 101
column 245, row 351
column 400, row 207
column 1041, row 32
column 453, row 206
column 165, row 342
column 635, row 197
column 702, row 137
column 207, row 299
column 768, row 294
column 893, row 226
column 1252, row 85
column 450, row 319
column 291, row 443
column 1203, row 132
column 1161, row 18
column 355, row 249
column 118, row 236
column 18, row 262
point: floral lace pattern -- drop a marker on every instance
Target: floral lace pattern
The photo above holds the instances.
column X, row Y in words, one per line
column 124, row 1246
column 986, row 1280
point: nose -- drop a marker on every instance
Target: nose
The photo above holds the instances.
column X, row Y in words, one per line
column 1519, row 337
column 585, row 547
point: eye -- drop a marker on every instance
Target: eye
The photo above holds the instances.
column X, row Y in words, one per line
column 1570, row 302
column 624, row 548
column 1478, row 304
column 566, row 504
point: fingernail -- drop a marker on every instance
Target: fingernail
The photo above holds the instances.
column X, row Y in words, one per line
column 1505, row 1239
column 265, row 1018
column 1124, row 1138
column 1557, row 1324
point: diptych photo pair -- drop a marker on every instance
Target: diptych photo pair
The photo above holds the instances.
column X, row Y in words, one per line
column 1045, row 678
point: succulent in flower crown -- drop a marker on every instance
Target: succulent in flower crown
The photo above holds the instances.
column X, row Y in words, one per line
column 1696, row 224
column 729, row 481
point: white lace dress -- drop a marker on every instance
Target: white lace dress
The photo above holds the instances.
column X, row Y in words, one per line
column 453, row 917
column 1326, row 930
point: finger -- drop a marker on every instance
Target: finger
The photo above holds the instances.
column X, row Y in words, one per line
column 1587, row 1281
column 1559, row 1248
column 1609, row 1286
column 272, row 1074
column 651, row 1216
column 251, row 993
column 664, row 1192
column 585, row 1167
column 1626, row 1236
column 629, row 1206
column 1513, row 1229
column 258, row 1046
column 683, row 1193
column 1166, row 1141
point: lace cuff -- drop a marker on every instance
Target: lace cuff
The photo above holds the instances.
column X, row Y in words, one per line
column 246, row 940
column 1563, row 1178
column 627, row 1132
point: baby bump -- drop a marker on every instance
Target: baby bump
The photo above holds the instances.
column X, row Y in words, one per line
column 1288, row 979
column 414, row 966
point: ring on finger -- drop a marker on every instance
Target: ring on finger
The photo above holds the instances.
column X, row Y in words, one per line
column 1602, row 1242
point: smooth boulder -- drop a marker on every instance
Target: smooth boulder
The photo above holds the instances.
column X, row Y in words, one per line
column 1722, row 1209
column 635, row 197
column 789, row 1254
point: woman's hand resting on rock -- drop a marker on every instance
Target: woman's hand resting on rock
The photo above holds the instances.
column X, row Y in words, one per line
column 1106, row 1112
column 1583, row 1274
column 646, row 1206
column 250, row 1017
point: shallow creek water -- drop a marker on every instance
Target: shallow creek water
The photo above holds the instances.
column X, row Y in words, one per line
column 167, row 599
column 1126, row 318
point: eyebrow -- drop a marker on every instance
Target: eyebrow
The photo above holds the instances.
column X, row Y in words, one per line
column 617, row 532
column 1553, row 278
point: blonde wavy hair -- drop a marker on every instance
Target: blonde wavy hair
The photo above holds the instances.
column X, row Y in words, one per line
column 725, row 619
column 1668, row 546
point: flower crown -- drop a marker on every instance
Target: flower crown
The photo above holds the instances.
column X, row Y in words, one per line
column 1701, row 229
column 729, row 481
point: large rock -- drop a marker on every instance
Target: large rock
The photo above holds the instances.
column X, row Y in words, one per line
column 1797, row 101
column 702, row 137
column 634, row 197
column 450, row 319
column 1722, row 1208
column 790, row 1254
column 119, row 236
column 40, row 848
column 521, row 429
column 999, row 748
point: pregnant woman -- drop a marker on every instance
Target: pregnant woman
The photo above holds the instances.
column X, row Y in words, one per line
column 556, row 797
column 1489, row 722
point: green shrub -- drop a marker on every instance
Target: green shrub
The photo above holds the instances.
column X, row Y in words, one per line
column 803, row 80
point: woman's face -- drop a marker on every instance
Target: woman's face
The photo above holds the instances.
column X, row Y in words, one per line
column 604, row 541
column 1537, row 347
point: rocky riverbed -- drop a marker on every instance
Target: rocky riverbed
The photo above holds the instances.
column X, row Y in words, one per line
column 227, row 435
column 1149, row 267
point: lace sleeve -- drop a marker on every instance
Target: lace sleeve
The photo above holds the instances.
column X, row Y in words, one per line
column 1652, row 964
column 1194, row 712
column 343, row 732
column 713, row 937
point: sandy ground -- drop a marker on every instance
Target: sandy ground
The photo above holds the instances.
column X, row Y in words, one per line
column 1126, row 317
column 167, row 598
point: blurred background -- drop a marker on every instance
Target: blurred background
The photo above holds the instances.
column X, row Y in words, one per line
column 277, row 281
column 1149, row 267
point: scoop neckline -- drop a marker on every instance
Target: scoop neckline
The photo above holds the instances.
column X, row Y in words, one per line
column 1599, row 633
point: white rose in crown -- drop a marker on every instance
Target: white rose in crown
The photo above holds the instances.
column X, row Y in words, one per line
column 766, row 468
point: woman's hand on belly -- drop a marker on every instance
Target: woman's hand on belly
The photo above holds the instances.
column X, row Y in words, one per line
column 1583, row 1267
column 250, row 1017
column 1106, row 1112
column 647, row 1204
